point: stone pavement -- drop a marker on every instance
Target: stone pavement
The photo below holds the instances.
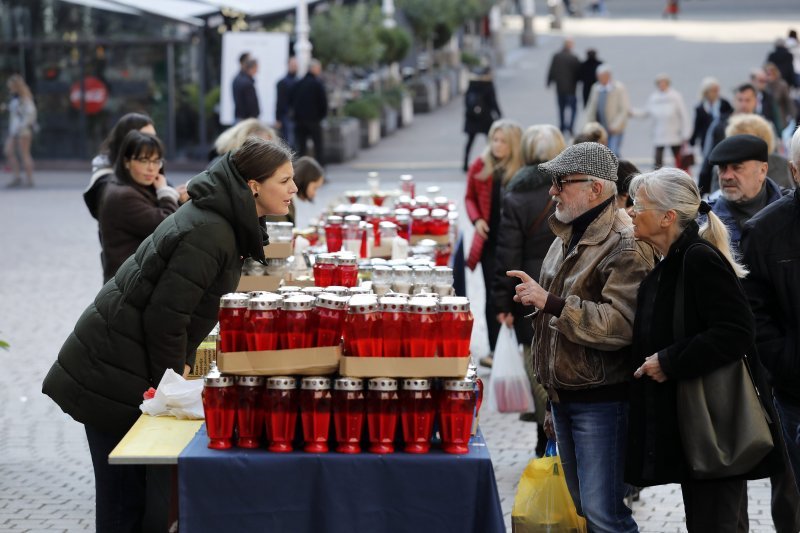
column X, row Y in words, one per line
column 50, row 265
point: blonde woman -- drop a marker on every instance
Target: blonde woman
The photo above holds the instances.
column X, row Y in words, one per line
column 233, row 138
column 486, row 180
column 21, row 126
column 718, row 329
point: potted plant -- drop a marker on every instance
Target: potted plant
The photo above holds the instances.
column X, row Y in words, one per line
column 367, row 109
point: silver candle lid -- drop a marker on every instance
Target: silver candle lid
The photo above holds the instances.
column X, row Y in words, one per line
column 416, row 384
column 383, row 384
column 348, row 384
column 458, row 384
column 234, row 300
column 454, row 304
column 299, row 302
column 332, row 301
column 315, row 383
column 250, row 381
column 267, row 302
column 215, row 378
column 362, row 303
column 281, row 382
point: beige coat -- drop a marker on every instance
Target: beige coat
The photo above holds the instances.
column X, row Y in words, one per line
column 618, row 108
column 583, row 348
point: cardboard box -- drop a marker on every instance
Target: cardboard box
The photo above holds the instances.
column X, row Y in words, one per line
column 259, row 283
column 303, row 361
column 384, row 251
column 278, row 250
column 439, row 239
column 205, row 355
column 404, row 367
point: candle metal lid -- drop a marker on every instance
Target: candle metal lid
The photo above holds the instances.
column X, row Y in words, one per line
column 416, row 384
column 315, row 383
column 281, row 382
column 348, row 384
column 383, row 384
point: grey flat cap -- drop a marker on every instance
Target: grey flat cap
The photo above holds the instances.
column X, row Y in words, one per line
column 593, row 159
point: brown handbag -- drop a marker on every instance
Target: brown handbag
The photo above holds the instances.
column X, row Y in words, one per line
column 723, row 427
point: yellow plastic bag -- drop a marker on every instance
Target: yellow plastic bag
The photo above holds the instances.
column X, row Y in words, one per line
column 543, row 503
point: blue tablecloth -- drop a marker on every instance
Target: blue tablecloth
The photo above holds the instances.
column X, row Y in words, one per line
column 255, row 490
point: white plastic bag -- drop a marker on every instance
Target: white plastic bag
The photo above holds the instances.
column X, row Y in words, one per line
column 509, row 389
column 176, row 397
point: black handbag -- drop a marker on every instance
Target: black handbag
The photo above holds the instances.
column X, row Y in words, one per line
column 723, row 426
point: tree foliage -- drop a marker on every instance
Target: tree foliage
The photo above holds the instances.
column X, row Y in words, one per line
column 347, row 35
column 437, row 20
column 396, row 42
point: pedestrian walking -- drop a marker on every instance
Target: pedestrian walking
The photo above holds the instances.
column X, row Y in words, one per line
column 588, row 73
column 697, row 279
column 308, row 100
column 158, row 308
column 486, row 181
column 480, row 109
column 609, row 105
column 245, row 97
column 582, row 330
column 284, row 119
column 711, row 108
column 22, row 125
column 564, row 72
column 670, row 120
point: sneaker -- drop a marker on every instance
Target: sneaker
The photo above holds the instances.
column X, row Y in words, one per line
column 486, row 361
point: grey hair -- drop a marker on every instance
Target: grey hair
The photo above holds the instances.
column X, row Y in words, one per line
column 541, row 142
column 706, row 84
column 794, row 151
column 671, row 189
column 609, row 188
column 602, row 69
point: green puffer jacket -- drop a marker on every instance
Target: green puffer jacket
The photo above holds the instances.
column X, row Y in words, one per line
column 160, row 305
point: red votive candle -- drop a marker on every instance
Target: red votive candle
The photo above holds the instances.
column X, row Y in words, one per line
column 382, row 410
column 417, row 410
column 393, row 317
column 421, row 327
column 281, row 412
column 330, row 311
column 457, row 403
column 348, row 414
column 455, row 326
column 250, row 411
column 298, row 320
column 232, row 309
column 219, row 406
column 362, row 327
column 315, row 412
column 263, row 322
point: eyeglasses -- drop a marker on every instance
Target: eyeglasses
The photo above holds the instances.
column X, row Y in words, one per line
column 158, row 163
column 638, row 208
column 559, row 183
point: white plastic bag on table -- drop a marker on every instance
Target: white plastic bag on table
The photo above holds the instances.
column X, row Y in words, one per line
column 509, row 389
column 176, row 397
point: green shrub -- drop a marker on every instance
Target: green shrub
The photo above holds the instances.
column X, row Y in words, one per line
column 366, row 107
column 396, row 42
column 393, row 96
column 347, row 35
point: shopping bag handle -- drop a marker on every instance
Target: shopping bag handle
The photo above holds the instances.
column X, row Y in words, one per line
column 551, row 450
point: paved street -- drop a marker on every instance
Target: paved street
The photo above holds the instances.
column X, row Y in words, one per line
column 50, row 254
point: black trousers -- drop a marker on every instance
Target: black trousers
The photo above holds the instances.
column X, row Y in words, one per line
column 713, row 506
column 309, row 130
column 487, row 266
column 676, row 154
column 470, row 139
column 119, row 490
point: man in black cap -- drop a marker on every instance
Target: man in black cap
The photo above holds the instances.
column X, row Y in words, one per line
column 744, row 186
column 583, row 328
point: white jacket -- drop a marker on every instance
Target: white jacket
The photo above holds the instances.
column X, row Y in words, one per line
column 671, row 126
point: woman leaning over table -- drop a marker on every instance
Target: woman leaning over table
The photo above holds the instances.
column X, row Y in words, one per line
column 719, row 329
column 487, row 178
column 158, row 308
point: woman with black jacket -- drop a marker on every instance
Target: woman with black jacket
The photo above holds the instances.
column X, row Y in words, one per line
column 718, row 330
column 523, row 240
column 480, row 109
column 161, row 304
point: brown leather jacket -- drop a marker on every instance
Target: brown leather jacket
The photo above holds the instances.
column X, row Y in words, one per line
column 583, row 348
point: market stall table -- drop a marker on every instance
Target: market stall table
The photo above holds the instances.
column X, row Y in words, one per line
column 255, row 490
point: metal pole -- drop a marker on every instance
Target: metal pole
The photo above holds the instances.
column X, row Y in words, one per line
column 528, row 34
column 171, row 145
column 388, row 14
column 302, row 46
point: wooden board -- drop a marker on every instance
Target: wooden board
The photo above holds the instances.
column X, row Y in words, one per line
column 154, row 440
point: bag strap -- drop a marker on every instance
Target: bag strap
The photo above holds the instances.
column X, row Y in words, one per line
column 540, row 218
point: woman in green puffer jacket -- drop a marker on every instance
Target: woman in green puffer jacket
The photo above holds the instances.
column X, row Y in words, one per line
column 155, row 311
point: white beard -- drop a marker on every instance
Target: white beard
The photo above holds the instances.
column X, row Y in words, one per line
column 567, row 214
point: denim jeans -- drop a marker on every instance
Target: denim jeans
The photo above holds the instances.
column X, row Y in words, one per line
column 615, row 143
column 790, row 422
column 567, row 101
column 591, row 444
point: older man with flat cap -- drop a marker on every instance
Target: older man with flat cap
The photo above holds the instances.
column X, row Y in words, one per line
column 744, row 186
column 582, row 327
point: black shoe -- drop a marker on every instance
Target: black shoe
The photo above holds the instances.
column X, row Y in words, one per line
column 486, row 361
column 527, row 417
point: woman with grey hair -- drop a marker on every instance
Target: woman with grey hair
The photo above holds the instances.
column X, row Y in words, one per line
column 718, row 329
column 710, row 109
column 523, row 240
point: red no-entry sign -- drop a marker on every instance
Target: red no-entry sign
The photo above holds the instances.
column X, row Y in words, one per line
column 96, row 95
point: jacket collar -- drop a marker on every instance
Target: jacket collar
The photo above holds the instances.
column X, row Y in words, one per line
column 689, row 235
column 595, row 233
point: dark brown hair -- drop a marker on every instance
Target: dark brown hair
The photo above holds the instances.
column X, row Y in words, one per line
column 258, row 159
column 136, row 144
column 306, row 172
column 112, row 144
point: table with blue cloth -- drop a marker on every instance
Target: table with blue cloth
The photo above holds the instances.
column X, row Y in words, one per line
column 256, row 490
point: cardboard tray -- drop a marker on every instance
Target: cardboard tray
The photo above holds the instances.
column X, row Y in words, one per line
column 304, row 361
column 259, row 283
column 439, row 239
column 404, row 367
column 278, row 250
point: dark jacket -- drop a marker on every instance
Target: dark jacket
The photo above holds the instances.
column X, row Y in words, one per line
column 284, row 89
column 587, row 75
column 245, row 98
column 703, row 120
column 161, row 304
column 480, row 106
column 782, row 58
column 517, row 247
column 564, row 71
column 772, row 253
column 308, row 100
column 719, row 329
column 128, row 214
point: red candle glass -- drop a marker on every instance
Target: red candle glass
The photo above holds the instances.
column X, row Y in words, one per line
column 333, row 233
column 325, row 270
column 250, row 411
column 407, row 184
column 232, row 309
column 420, row 221
column 315, row 413
column 298, row 318
column 280, row 412
column 382, row 410
column 367, row 230
column 403, row 221
column 455, row 326
column 393, row 317
column 421, row 327
column 362, row 328
column 438, row 223
column 348, row 414
column 330, row 311
column 219, row 406
column 457, row 405
column 263, row 322
column 417, row 410
column 347, row 270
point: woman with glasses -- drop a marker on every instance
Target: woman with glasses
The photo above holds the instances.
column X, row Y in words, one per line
column 135, row 201
column 718, row 329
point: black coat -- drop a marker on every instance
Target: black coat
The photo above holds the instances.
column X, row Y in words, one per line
column 284, row 89
column 782, row 58
column 245, row 98
column 719, row 329
column 161, row 304
column 587, row 75
column 771, row 246
column 308, row 100
column 703, row 120
column 480, row 106
column 517, row 247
